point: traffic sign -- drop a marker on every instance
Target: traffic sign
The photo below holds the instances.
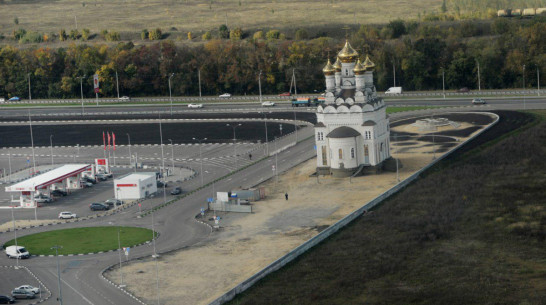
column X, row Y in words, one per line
column 96, row 83
column 126, row 250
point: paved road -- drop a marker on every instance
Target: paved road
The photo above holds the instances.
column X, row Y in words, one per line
column 82, row 283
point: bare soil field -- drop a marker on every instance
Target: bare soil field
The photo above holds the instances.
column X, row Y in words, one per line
column 130, row 17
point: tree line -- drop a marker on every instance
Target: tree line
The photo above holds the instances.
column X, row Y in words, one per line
column 419, row 53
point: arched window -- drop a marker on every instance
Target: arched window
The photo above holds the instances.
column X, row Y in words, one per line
column 352, row 153
column 340, row 154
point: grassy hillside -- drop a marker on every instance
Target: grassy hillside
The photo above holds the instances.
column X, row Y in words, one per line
column 471, row 231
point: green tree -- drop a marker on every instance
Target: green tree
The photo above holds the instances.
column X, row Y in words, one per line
column 258, row 35
column 155, row 34
column 207, row 36
column 62, row 35
column 190, row 36
column 32, row 37
column 17, row 34
column 16, row 21
column 272, row 34
column 444, row 6
column 223, row 31
column 301, row 34
column 236, row 34
column 112, row 36
column 144, row 34
column 85, row 34
column 74, row 34
column 397, row 27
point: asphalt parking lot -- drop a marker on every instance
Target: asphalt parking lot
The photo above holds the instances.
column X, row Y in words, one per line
column 12, row 278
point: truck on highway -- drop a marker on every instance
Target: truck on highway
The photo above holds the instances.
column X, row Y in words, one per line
column 307, row 101
column 394, row 90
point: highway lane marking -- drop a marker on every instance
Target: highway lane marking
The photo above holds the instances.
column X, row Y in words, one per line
column 77, row 292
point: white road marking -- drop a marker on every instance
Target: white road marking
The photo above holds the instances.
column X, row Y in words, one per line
column 81, row 295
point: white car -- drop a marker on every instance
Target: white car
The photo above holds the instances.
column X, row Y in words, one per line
column 268, row 104
column 225, row 95
column 29, row 288
column 478, row 101
column 195, row 106
column 124, row 98
column 67, row 215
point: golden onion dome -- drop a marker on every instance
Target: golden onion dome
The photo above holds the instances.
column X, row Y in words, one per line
column 329, row 69
column 368, row 64
column 337, row 65
column 347, row 54
column 359, row 68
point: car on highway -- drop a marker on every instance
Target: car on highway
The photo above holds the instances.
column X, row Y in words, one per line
column 4, row 299
column 67, row 215
column 268, row 104
column 113, row 202
column 58, row 193
column 2, row 99
column 478, row 101
column 463, row 90
column 97, row 206
column 124, row 98
column 15, row 99
column 22, row 294
column 17, row 252
column 41, row 198
column 195, row 106
column 176, row 191
column 285, row 94
column 225, row 95
column 29, row 288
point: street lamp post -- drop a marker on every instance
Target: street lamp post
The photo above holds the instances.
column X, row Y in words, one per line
column 200, row 157
column 119, row 252
column 170, row 94
column 56, row 247
column 32, row 143
column 524, row 87
column 81, row 90
column 51, row 147
column 479, row 81
column 29, row 95
column 266, row 140
column 172, row 155
column 443, row 84
column 234, row 144
column 117, row 83
column 14, row 232
column 276, row 163
column 130, row 155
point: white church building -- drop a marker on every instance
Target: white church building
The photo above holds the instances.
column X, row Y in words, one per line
column 352, row 130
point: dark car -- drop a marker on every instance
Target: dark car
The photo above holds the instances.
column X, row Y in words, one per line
column 113, row 202
column 4, row 299
column 89, row 180
column 22, row 294
column 97, row 206
column 101, row 177
column 176, row 191
column 59, row 193
column 160, row 183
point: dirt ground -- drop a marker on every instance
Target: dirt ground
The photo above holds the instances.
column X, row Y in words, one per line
column 247, row 243
column 25, row 223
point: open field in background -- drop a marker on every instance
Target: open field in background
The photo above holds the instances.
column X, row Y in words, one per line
column 200, row 16
column 470, row 231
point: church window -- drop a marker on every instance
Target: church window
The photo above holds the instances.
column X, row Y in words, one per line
column 346, row 72
column 340, row 154
column 352, row 153
column 320, row 136
column 368, row 135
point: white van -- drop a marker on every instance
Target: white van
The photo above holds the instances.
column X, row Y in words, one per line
column 17, row 252
column 394, row 90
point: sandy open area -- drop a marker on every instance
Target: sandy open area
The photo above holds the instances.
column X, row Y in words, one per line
column 246, row 243
column 25, row 223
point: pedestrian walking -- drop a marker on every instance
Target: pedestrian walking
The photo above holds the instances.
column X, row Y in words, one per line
column 286, row 196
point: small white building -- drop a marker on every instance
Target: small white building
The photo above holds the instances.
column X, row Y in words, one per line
column 135, row 186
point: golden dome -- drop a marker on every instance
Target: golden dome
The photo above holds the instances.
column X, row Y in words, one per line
column 359, row 68
column 337, row 65
column 347, row 54
column 368, row 64
column 329, row 69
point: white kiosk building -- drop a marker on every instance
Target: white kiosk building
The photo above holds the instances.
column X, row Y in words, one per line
column 135, row 186
column 352, row 130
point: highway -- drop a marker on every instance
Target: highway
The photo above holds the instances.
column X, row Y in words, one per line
column 81, row 275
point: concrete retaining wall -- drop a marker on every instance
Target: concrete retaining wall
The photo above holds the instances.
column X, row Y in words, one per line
column 276, row 265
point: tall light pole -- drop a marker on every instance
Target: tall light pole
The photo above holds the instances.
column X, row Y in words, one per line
column 117, row 83
column 119, row 252
column 32, row 143
column 260, row 85
column 130, row 155
column 393, row 73
column 479, row 81
column 234, row 143
column 199, row 79
column 172, row 154
column 51, row 147
column 29, row 95
column 296, row 126
column 538, row 82
column 15, row 232
column 81, row 90
column 276, row 163
column 266, row 139
column 443, row 83
column 56, row 247
column 170, row 94
column 200, row 156
column 524, row 87
column 162, row 162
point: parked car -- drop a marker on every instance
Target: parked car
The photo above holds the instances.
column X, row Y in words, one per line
column 109, row 175
column 113, row 202
column 86, row 183
column 124, row 98
column 225, row 95
column 463, row 90
column 22, row 294
column 58, row 193
column 97, row 206
column 478, row 101
column 67, row 215
column 4, row 299
column 285, row 94
column 29, row 288
column 268, row 104
column 42, row 199
column 17, row 252
column 89, row 179
column 102, row 177
column 2, row 99
column 176, row 191
column 160, row 183
column 15, row 99
column 195, row 106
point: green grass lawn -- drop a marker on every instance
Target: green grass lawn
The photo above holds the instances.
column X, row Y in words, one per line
column 82, row 240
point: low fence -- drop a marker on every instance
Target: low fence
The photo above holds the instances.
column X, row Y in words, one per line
column 279, row 263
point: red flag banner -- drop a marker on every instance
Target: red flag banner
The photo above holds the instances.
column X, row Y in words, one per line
column 114, row 140
column 108, row 133
column 103, row 141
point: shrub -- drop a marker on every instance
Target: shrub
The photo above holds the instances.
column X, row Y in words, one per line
column 45, row 38
column 31, row 37
column 207, row 36
column 17, row 34
column 236, row 34
column 85, row 34
column 190, row 36
column 155, row 34
column 62, row 35
column 223, row 31
column 272, row 34
column 258, row 35
column 112, row 36
column 16, row 21
column 301, row 34
column 144, row 34
column 397, row 27
column 74, row 34
column 103, row 33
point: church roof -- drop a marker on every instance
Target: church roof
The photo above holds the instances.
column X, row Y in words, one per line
column 329, row 69
column 347, row 54
column 343, row 132
column 368, row 64
column 337, row 65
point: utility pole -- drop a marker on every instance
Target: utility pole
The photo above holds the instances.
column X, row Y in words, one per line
column 51, row 147
column 393, row 73
column 32, row 143
column 294, row 76
column 538, row 82
column 81, row 90
column 170, row 94
column 29, row 95
column 524, row 87
column 117, row 83
column 443, row 83
column 260, row 85
column 58, row 272
column 14, row 232
column 199, row 78
column 130, row 155
column 479, row 81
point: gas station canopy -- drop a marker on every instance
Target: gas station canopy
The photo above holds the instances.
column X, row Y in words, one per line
column 46, row 179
